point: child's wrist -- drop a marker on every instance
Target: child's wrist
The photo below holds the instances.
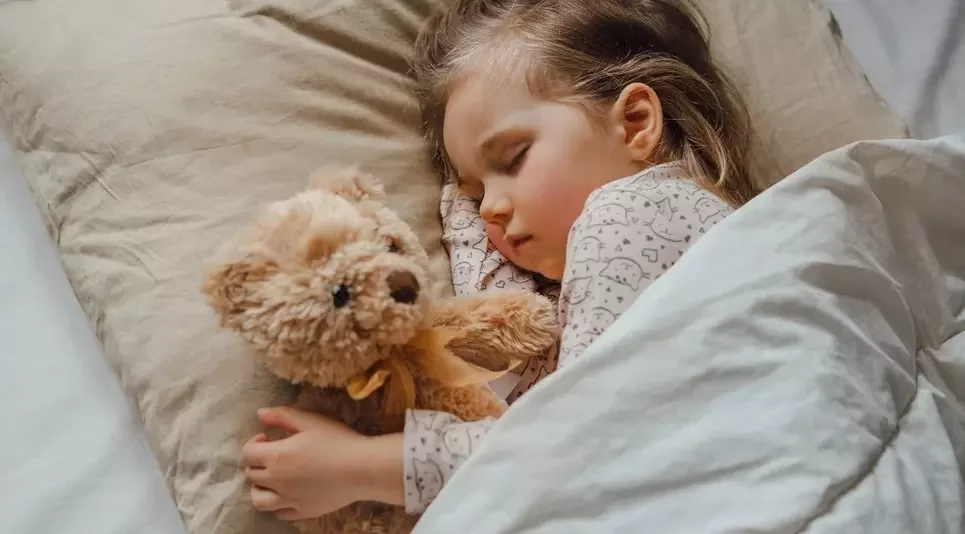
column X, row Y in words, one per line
column 380, row 470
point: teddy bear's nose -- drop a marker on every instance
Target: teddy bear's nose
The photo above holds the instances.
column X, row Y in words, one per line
column 403, row 287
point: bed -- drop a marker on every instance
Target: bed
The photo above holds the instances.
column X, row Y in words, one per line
column 914, row 55
column 75, row 455
column 129, row 404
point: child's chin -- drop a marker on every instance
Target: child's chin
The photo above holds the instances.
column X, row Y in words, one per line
column 549, row 269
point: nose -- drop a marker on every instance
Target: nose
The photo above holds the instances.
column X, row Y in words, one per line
column 496, row 206
column 403, row 287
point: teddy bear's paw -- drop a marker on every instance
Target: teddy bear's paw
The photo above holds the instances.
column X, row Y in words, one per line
column 500, row 327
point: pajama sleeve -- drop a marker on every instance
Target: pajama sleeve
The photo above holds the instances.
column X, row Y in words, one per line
column 476, row 265
column 630, row 232
column 436, row 445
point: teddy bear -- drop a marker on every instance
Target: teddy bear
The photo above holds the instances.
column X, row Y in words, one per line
column 330, row 289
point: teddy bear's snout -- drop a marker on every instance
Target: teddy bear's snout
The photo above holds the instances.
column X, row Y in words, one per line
column 403, row 287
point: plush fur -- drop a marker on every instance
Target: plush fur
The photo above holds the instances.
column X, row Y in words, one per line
column 331, row 282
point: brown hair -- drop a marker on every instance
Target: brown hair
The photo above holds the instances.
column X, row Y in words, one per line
column 588, row 51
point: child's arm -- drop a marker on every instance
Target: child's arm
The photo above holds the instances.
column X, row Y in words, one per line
column 324, row 465
column 435, row 445
column 321, row 467
column 630, row 232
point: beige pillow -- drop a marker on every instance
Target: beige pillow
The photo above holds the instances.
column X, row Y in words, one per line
column 150, row 130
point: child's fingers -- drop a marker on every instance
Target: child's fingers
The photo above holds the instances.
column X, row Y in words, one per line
column 256, row 453
column 259, row 477
column 283, row 417
column 265, row 500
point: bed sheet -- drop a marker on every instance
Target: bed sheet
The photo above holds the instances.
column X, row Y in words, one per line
column 913, row 53
column 73, row 454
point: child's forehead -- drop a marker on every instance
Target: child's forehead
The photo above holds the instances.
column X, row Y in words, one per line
column 478, row 103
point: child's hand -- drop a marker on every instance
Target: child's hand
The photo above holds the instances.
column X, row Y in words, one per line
column 321, row 467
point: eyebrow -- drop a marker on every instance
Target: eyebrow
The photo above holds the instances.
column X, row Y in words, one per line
column 486, row 148
column 492, row 142
column 498, row 138
column 494, row 139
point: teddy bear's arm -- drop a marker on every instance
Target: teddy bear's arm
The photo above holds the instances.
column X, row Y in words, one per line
column 498, row 327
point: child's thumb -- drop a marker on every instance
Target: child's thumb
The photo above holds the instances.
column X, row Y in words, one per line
column 283, row 417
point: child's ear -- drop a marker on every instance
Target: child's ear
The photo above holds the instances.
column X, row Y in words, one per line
column 348, row 182
column 640, row 116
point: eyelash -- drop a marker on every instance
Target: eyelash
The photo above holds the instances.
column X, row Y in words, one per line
column 514, row 164
column 510, row 169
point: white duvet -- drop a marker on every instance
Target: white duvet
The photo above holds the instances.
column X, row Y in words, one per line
column 800, row 370
column 73, row 454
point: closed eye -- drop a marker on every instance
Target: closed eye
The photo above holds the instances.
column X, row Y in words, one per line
column 516, row 162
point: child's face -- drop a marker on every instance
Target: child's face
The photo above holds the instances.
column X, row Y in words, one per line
column 533, row 163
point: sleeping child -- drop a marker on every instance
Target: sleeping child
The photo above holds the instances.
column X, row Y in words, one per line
column 590, row 143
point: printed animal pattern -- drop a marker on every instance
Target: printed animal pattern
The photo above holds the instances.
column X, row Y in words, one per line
column 476, row 265
column 436, row 444
column 630, row 232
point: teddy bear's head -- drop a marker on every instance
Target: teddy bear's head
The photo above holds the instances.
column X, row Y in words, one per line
column 323, row 283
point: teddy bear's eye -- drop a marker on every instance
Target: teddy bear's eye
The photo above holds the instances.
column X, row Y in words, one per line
column 394, row 248
column 341, row 296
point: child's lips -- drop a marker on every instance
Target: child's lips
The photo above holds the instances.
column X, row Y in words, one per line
column 515, row 242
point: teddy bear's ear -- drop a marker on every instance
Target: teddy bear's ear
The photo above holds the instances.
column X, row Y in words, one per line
column 232, row 287
column 348, row 182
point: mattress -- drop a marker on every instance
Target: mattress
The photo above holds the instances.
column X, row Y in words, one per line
column 913, row 53
column 74, row 456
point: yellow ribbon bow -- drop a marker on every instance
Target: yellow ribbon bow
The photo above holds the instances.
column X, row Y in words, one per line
column 436, row 361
